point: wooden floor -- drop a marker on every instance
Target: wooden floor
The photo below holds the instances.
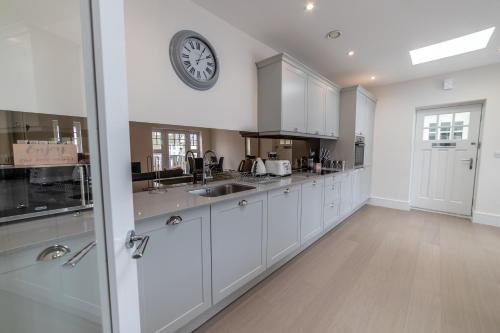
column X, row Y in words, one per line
column 382, row 271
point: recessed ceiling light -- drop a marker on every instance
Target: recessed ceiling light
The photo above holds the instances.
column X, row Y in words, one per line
column 468, row 43
column 310, row 6
column 373, row 77
column 350, row 53
column 334, row 34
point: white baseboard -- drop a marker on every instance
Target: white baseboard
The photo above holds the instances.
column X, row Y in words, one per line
column 486, row 218
column 389, row 203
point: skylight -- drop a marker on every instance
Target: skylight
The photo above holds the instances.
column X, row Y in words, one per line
column 468, row 43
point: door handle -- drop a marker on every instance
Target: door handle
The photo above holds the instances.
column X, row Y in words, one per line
column 74, row 260
column 470, row 160
column 132, row 238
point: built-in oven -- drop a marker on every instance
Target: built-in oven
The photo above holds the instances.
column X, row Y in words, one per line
column 359, row 152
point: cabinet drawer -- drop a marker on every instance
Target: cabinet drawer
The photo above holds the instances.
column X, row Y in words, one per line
column 332, row 191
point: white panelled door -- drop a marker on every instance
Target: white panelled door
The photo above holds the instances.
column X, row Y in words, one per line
column 445, row 158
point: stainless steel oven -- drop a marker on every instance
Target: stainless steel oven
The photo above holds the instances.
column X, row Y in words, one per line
column 359, row 152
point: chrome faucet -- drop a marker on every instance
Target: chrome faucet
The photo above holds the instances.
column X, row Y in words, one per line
column 207, row 167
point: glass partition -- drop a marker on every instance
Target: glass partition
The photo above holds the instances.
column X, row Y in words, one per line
column 48, row 260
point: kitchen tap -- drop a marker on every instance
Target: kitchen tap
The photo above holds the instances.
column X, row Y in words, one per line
column 207, row 166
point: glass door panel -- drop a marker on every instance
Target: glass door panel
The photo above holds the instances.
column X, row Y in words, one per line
column 49, row 278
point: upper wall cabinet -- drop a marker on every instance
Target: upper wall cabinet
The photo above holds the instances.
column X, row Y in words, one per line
column 332, row 114
column 295, row 101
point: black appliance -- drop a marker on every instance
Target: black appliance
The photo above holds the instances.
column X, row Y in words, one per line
column 359, row 152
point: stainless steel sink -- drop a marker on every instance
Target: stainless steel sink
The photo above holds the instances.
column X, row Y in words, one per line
column 217, row 191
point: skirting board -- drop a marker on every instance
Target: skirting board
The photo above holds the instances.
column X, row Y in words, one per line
column 389, row 203
column 486, row 218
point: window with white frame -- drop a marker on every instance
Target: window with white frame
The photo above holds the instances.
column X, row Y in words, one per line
column 170, row 146
column 448, row 126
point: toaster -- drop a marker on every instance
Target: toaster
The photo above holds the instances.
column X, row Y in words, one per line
column 279, row 167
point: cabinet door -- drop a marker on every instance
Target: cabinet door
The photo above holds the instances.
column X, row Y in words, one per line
column 361, row 114
column 346, row 194
column 332, row 112
column 315, row 106
column 174, row 274
column 331, row 210
column 357, row 187
column 370, row 122
column 294, row 90
column 283, row 220
column 311, row 223
column 239, row 238
column 366, row 184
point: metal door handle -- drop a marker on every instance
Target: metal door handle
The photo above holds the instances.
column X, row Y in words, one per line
column 132, row 238
column 332, row 205
column 73, row 261
column 470, row 160
column 174, row 220
column 314, row 183
column 243, row 203
column 286, row 191
column 53, row 252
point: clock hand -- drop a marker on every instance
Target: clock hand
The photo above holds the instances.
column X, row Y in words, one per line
column 201, row 54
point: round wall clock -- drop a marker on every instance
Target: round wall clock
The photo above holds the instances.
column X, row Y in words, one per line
column 194, row 60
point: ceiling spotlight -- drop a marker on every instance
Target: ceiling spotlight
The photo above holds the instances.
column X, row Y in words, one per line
column 310, row 6
column 334, row 34
column 350, row 53
column 373, row 77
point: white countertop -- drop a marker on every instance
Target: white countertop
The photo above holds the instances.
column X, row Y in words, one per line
column 148, row 205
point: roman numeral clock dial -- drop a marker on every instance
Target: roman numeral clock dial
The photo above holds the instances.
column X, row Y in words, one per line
column 194, row 60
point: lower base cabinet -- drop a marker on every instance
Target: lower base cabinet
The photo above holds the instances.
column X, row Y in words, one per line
column 346, row 203
column 311, row 222
column 174, row 274
column 331, row 210
column 283, row 220
column 239, row 239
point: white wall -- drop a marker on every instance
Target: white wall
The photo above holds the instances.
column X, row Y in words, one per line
column 394, row 127
column 157, row 95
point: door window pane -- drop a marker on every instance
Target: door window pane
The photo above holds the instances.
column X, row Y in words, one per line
column 430, row 121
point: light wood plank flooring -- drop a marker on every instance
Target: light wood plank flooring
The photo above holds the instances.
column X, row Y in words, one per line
column 382, row 271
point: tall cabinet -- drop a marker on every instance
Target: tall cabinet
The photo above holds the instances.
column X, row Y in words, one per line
column 293, row 100
column 357, row 115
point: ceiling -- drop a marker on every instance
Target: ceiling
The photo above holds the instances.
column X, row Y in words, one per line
column 381, row 32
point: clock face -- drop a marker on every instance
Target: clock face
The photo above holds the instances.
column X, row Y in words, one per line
column 194, row 60
column 198, row 59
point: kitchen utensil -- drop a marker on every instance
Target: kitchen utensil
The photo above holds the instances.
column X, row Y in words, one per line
column 260, row 168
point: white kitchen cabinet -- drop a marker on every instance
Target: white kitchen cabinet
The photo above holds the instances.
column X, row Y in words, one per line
column 316, row 91
column 331, row 210
column 332, row 112
column 174, row 273
column 357, row 107
column 294, row 100
column 283, row 219
column 346, row 203
column 357, row 187
column 294, row 87
column 239, row 238
column 311, row 222
column 366, row 183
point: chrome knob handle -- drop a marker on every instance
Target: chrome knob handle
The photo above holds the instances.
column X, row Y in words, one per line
column 73, row 261
column 286, row 191
column 174, row 220
column 332, row 205
column 53, row 252
column 314, row 183
column 243, row 203
column 296, row 129
column 132, row 238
